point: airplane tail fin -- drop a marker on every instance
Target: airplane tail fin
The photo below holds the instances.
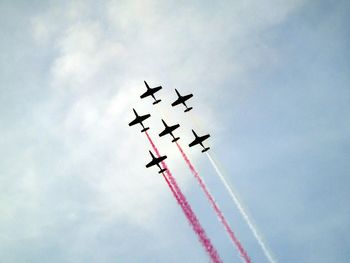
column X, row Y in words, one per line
column 188, row 109
column 145, row 129
column 162, row 170
column 175, row 139
column 205, row 149
column 157, row 101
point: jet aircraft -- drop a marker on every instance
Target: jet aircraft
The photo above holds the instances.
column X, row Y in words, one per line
column 139, row 119
column 156, row 161
column 150, row 92
column 169, row 130
column 182, row 99
column 199, row 140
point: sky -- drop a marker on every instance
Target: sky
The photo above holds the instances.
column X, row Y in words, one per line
column 271, row 85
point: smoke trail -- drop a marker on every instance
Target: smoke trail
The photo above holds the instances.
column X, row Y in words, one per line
column 181, row 199
column 216, row 208
column 242, row 211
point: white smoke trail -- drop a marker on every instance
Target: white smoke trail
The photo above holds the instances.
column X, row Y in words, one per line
column 234, row 197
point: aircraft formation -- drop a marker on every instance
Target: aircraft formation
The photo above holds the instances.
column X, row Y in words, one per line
column 168, row 129
column 158, row 160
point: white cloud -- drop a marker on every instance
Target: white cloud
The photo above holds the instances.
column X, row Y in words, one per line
column 164, row 42
column 96, row 73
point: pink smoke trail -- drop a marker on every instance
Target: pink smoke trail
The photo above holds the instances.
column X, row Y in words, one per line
column 192, row 218
column 216, row 208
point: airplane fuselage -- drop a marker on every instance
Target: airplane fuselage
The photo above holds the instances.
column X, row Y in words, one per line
column 199, row 140
column 169, row 130
column 139, row 119
column 151, row 92
column 182, row 100
column 157, row 161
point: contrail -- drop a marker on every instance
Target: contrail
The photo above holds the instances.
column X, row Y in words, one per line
column 216, row 208
column 192, row 218
column 242, row 211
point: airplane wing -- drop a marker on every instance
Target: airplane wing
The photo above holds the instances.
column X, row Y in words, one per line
column 146, row 94
column 164, row 132
column 194, row 142
column 150, row 92
column 133, row 122
column 156, row 161
column 151, row 163
column 162, row 158
column 186, row 97
column 154, row 90
column 139, row 119
column 204, row 137
column 144, row 117
column 176, row 102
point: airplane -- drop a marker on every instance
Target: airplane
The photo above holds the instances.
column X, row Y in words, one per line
column 182, row 99
column 156, row 161
column 139, row 119
column 199, row 140
column 169, row 130
column 150, row 92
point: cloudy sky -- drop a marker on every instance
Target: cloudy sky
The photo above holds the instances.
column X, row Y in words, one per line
column 271, row 85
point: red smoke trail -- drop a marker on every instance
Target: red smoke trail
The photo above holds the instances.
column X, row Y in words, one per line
column 192, row 218
column 219, row 213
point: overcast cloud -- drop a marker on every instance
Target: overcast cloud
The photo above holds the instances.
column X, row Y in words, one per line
column 271, row 85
